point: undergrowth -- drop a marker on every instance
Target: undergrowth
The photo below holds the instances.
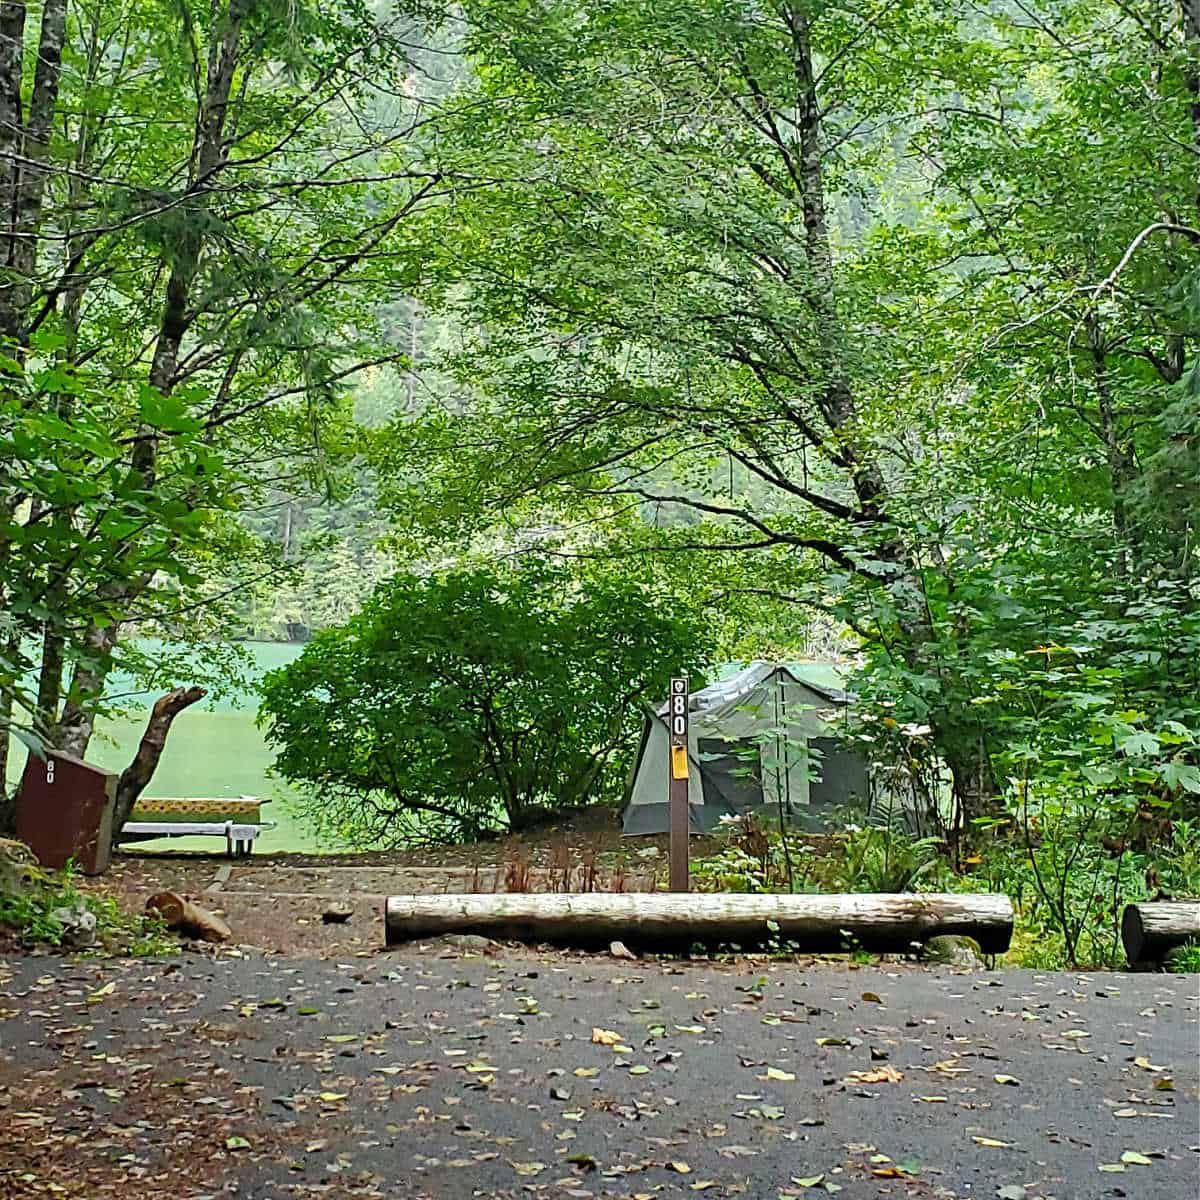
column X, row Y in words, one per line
column 30, row 915
column 1186, row 960
column 1067, row 905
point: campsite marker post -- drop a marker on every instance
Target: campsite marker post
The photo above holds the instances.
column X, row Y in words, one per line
column 677, row 787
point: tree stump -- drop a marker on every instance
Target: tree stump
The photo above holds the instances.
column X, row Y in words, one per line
column 19, row 870
column 188, row 918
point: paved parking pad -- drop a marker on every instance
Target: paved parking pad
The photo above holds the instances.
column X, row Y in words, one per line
column 428, row 1072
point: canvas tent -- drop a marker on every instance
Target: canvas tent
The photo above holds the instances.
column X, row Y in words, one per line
column 750, row 744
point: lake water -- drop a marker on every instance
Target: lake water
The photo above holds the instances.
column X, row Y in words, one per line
column 214, row 749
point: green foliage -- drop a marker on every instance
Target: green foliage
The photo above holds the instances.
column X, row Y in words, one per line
column 1186, row 960
column 1068, row 888
column 475, row 699
column 729, row 870
column 934, row 374
column 875, row 859
column 870, row 859
column 198, row 277
column 869, row 325
column 1177, row 865
column 30, row 913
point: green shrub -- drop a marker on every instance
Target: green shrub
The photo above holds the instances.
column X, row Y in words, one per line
column 1069, row 881
column 729, row 870
column 474, row 701
column 876, row 859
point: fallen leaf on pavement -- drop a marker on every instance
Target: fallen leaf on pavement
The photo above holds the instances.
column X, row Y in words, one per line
column 1136, row 1159
column 528, row 1168
column 776, row 1073
column 949, row 1066
column 877, row 1075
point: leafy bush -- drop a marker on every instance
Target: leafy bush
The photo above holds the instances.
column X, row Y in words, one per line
column 730, row 870
column 1068, row 896
column 870, row 859
column 472, row 701
column 1177, row 867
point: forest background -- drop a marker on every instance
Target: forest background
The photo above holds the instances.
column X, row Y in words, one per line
column 867, row 329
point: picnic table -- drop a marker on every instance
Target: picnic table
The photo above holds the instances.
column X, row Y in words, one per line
column 239, row 821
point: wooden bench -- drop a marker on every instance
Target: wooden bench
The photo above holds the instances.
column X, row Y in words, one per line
column 238, row 821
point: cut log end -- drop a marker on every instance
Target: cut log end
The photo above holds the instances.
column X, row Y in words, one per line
column 661, row 921
column 1149, row 932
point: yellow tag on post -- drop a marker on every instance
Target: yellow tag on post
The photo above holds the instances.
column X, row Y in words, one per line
column 679, row 762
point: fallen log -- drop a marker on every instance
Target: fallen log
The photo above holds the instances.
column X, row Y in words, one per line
column 188, row 918
column 1151, row 931
column 659, row 920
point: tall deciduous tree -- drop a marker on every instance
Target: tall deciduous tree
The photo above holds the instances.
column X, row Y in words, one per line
column 203, row 207
column 835, row 278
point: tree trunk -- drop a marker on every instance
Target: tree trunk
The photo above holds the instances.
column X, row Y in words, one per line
column 1191, row 34
column 138, row 774
column 12, row 124
column 35, row 148
column 51, row 673
column 78, row 719
column 8, row 802
column 74, row 729
column 660, row 921
column 1151, row 931
column 974, row 783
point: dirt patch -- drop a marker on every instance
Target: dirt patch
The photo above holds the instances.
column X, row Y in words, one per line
column 589, row 831
column 276, row 902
